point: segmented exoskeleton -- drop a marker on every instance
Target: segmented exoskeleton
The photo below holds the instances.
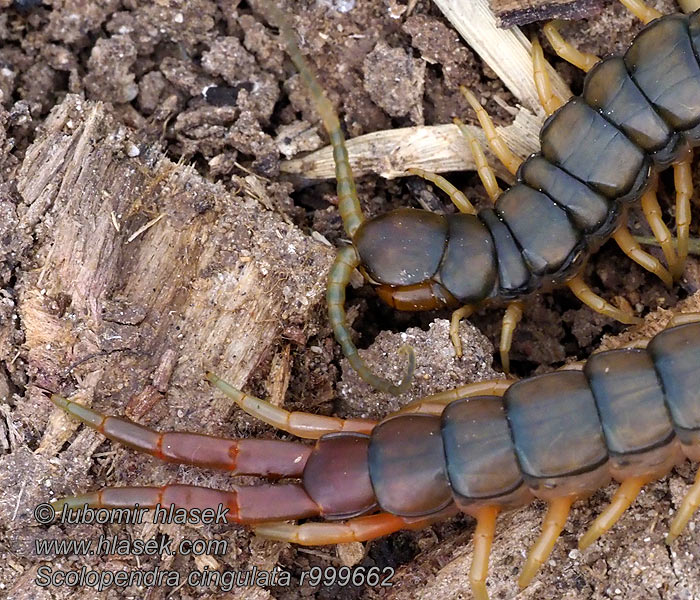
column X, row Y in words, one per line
column 601, row 151
column 629, row 414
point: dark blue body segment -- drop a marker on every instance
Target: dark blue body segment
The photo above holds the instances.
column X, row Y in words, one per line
column 468, row 268
column 610, row 89
column 662, row 62
column 630, row 401
column 587, row 209
column 583, row 143
column 479, row 450
column 402, row 247
column 555, row 425
column 409, row 479
column 637, row 114
column 676, row 356
column 514, row 278
column 525, row 211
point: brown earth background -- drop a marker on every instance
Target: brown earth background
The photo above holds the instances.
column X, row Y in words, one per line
column 147, row 235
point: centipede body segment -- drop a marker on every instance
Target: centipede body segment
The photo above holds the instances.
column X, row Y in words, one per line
column 629, row 414
column 600, row 152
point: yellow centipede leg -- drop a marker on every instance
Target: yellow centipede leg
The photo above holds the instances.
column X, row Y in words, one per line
column 514, row 313
column 457, row 316
column 683, row 180
column 549, row 100
column 583, row 60
column 690, row 504
column 483, row 538
column 586, row 295
column 631, row 248
column 689, row 6
column 458, row 198
column 624, row 496
column 640, row 10
column 436, row 402
column 554, row 522
column 301, row 424
column 496, row 142
column 683, row 319
column 486, row 174
column 358, row 529
column 652, row 213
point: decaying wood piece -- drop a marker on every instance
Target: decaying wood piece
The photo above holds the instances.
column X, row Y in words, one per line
column 521, row 12
column 143, row 277
column 506, row 51
column 437, row 148
column 441, row 148
column 214, row 276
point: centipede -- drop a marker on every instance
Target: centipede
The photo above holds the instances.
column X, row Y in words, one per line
column 629, row 414
column 600, row 153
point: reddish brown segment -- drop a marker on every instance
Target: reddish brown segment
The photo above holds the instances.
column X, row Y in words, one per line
column 270, row 458
column 242, row 504
column 337, row 476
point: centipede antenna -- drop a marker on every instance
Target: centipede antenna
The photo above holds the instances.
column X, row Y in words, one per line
column 348, row 203
column 345, row 262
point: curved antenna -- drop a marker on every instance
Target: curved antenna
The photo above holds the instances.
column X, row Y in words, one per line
column 348, row 204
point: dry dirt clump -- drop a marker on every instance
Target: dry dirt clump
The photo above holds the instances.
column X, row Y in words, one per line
column 147, row 236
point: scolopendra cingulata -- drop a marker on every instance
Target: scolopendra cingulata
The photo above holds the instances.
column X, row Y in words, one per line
column 629, row 414
column 600, row 152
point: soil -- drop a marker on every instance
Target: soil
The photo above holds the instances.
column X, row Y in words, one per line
column 146, row 236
